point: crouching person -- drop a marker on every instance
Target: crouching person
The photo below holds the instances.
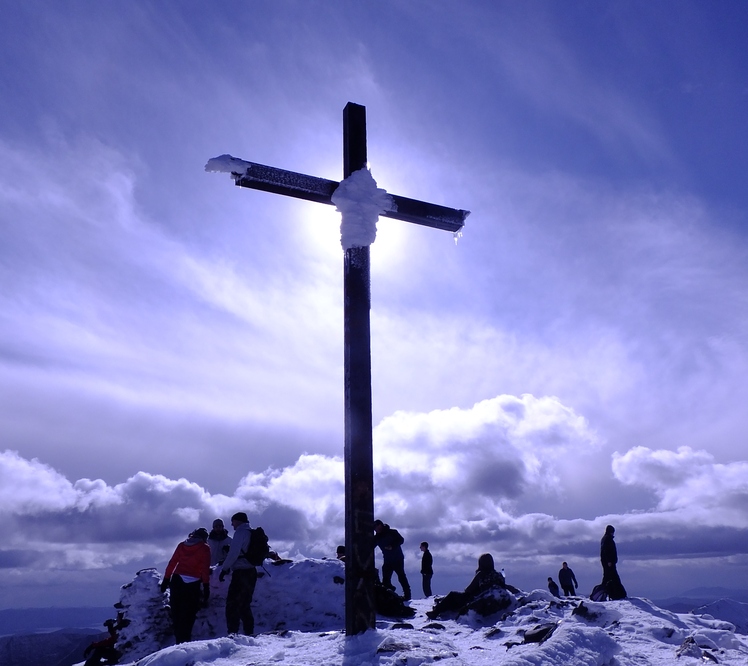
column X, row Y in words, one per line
column 486, row 578
column 243, row 578
column 187, row 568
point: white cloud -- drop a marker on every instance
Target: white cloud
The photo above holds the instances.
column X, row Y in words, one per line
column 689, row 483
column 29, row 486
column 495, row 450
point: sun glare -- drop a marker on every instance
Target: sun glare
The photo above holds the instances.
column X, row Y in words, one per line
column 321, row 228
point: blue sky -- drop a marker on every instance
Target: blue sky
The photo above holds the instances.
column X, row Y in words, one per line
column 171, row 346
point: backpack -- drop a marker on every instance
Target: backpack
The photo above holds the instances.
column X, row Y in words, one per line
column 258, row 548
column 599, row 593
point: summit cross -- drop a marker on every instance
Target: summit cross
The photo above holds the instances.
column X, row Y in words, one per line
column 360, row 611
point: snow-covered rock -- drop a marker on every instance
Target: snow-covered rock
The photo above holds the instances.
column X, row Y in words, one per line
column 299, row 611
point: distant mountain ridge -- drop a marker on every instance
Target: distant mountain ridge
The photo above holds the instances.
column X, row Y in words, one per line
column 56, row 648
column 700, row 596
column 32, row 620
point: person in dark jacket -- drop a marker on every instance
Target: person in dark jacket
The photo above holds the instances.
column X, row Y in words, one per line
column 553, row 587
column 427, row 568
column 486, row 578
column 567, row 580
column 609, row 559
column 188, row 567
column 393, row 561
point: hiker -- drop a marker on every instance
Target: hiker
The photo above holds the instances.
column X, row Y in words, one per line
column 609, row 559
column 393, row 561
column 103, row 651
column 553, row 587
column 427, row 568
column 243, row 578
column 486, row 578
column 188, row 567
column 567, row 580
column 219, row 542
column 340, row 553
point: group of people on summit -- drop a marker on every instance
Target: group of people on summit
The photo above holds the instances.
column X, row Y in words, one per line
column 189, row 570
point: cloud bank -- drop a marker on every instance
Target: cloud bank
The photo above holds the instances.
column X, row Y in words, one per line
column 455, row 477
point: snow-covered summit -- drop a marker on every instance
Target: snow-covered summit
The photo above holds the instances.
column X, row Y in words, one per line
column 299, row 615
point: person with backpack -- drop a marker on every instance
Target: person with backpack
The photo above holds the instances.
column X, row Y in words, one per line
column 567, row 580
column 393, row 560
column 248, row 549
column 188, row 567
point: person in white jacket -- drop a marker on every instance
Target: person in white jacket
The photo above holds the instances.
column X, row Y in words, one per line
column 243, row 578
column 219, row 542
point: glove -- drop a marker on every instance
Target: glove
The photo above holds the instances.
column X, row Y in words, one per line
column 221, row 576
column 164, row 585
column 206, row 595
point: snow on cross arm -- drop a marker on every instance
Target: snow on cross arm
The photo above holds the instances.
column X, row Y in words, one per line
column 228, row 164
column 360, row 202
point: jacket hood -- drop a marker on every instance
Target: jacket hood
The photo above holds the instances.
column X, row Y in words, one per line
column 485, row 562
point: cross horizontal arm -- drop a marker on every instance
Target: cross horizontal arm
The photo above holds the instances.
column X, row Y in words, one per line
column 298, row 185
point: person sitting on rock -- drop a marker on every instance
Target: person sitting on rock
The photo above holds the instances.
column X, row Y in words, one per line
column 486, row 579
column 553, row 587
column 100, row 653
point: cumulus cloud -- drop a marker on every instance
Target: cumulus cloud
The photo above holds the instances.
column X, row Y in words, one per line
column 689, row 483
column 474, row 462
column 469, row 462
column 454, row 476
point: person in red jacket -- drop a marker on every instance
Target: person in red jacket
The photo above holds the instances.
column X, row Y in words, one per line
column 188, row 567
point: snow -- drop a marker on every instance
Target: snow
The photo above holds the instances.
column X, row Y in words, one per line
column 735, row 612
column 228, row 164
column 360, row 202
column 299, row 618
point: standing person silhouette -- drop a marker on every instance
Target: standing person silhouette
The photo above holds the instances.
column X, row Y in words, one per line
column 567, row 580
column 393, row 561
column 609, row 559
column 427, row 568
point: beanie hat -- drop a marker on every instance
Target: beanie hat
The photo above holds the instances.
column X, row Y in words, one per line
column 200, row 533
column 240, row 517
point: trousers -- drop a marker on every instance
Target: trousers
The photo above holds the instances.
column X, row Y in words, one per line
column 239, row 601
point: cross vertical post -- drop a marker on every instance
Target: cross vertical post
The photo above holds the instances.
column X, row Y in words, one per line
column 360, row 612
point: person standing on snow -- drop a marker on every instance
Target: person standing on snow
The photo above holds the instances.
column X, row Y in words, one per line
column 219, row 542
column 188, row 567
column 393, row 561
column 609, row 559
column 567, row 580
column 243, row 578
column 427, row 568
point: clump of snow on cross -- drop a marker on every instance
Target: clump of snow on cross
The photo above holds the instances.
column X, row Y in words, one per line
column 228, row 164
column 360, row 202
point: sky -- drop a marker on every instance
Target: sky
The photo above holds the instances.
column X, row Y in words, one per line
column 171, row 345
